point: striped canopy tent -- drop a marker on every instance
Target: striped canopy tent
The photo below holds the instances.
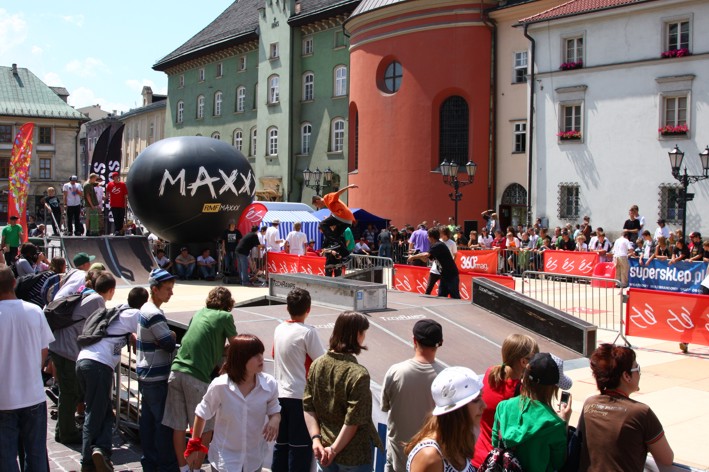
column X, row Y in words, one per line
column 290, row 213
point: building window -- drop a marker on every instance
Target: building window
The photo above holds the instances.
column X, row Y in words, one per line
column 306, row 131
column 569, row 201
column 520, row 68
column 677, row 34
column 338, row 135
column 218, row 104
column 220, row 69
column 339, row 39
column 255, row 104
column 675, row 113
column 671, row 203
column 307, row 45
column 216, row 135
column 180, row 115
column 571, row 125
column 454, row 131
column 238, row 139
column 520, row 137
column 242, row 63
column 201, row 74
column 240, row 99
column 273, row 94
column 393, row 75
column 573, row 52
column 200, row 107
column 308, row 86
column 45, row 135
column 4, row 167
column 252, row 150
column 5, row 134
column 273, row 141
column 45, row 168
column 151, row 130
column 340, row 81
column 273, row 51
column 181, row 81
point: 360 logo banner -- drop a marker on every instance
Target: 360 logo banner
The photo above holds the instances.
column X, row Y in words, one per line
column 477, row 261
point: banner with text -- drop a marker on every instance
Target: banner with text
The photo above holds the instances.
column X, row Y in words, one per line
column 477, row 261
column 668, row 316
column 570, row 262
column 414, row 279
column 661, row 275
column 283, row 263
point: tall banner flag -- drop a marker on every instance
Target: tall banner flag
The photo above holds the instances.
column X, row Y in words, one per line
column 20, row 176
column 113, row 154
column 98, row 159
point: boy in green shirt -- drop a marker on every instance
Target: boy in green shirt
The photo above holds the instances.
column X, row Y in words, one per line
column 11, row 239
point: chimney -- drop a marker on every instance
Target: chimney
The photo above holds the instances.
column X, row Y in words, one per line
column 147, row 94
column 14, row 69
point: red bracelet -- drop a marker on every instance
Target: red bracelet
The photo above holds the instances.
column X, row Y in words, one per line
column 195, row 445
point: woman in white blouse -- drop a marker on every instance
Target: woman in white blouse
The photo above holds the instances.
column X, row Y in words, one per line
column 245, row 402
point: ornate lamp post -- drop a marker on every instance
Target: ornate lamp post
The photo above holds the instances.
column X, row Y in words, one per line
column 450, row 177
column 311, row 179
column 676, row 156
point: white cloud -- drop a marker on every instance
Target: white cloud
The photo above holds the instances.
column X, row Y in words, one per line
column 37, row 51
column 83, row 97
column 137, row 85
column 77, row 20
column 53, row 79
column 89, row 67
column 13, row 32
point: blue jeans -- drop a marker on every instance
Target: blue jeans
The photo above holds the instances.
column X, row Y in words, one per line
column 229, row 262
column 29, row 426
column 208, row 272
column 244, row 268
column 334, row 467
column 96, row 381
column 156, row 439
column 293, row 450
column 184, row 271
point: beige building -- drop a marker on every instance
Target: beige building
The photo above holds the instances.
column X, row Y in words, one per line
column 143, row 127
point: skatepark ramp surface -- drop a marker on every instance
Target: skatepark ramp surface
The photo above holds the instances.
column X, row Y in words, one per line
column 128, row 258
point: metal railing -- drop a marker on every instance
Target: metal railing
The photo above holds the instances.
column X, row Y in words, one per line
column 360, row 262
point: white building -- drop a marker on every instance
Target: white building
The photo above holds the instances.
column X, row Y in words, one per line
column 618, row 92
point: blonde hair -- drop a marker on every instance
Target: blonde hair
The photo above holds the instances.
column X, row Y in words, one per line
column 515, row 347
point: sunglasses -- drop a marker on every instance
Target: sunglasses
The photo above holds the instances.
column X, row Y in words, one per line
column 635, row 369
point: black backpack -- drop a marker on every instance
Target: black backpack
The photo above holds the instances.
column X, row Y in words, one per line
column 500, row 459
column 59, row 312
column 96, row 326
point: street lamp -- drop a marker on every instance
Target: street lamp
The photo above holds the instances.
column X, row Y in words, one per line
column 311, row 179
column 450, row 177
column 676, row 157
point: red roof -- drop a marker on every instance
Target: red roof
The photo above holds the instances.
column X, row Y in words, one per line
column 578, row 7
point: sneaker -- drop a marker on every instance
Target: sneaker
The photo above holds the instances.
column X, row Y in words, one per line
column 53, row 393
column 684, row 347
column 101, row 462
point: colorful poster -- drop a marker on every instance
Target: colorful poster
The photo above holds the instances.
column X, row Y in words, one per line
column 414, row 279
column 477, row 261
column 251, row 216
column 661, row 275
column 570, row 262
column 19, row 178
column 680, row 317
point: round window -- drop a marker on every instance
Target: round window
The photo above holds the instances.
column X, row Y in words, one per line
column 392, row 77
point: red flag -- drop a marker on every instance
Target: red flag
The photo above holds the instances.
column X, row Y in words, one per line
column 251, row 216
column 20, row 176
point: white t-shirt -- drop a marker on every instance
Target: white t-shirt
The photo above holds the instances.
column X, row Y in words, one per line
column 622, row 247
column 74, row 190
column 297, row 241
column 24, row 332
column 209, row 260
column 163, row 261
column 661, row 231
column 72, row 284
column 108, row 350
column 485, row 241
column 272, row 243
column 239, row 444
column 295, row 347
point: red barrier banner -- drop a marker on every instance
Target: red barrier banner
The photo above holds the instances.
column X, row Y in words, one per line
column 311, row 265
column 681, row 317
column 477, row 261
column 570, row 262
column 414, row 279
column 282, row 263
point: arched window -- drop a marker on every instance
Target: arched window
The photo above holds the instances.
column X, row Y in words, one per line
column 514, row 194
column 200, row 107
column 217, row 104
column 272, row 141
column 454, row 131
column 340, row 81
column 306, row 131
column 252, row 150
column 338, row 135
column 273, row 93
column 180, row 116
column 216, row 135
column 240, row 99
column 238, row 139
column 308, row 86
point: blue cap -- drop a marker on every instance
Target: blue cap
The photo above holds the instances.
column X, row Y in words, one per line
column 158, row 276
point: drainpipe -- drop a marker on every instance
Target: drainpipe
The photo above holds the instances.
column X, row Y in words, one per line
column 492, row 128
column 530, row 128
column 76, row 150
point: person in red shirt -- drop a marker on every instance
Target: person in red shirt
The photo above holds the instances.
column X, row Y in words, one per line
column 117, row 194
column 341, row 218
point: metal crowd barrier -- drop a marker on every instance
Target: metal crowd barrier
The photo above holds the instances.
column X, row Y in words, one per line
column 361, row 262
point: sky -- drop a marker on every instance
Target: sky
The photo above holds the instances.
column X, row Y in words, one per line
column 101, row 52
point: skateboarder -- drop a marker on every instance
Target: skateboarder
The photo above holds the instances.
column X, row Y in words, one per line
column 339, row 220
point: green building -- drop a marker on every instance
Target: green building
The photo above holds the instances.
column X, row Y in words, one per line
column 271, row 78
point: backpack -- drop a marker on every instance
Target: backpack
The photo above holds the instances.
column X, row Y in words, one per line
column 59, row 312
column 29, row 283
column 50, row 288
column 96, row 326
column 500, row 459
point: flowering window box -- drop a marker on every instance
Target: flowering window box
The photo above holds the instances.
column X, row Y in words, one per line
column 669, row 130
column 571, row 65
column 569, row 135
column 675, row 53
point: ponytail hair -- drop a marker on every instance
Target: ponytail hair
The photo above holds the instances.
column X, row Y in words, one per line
column 515, row 347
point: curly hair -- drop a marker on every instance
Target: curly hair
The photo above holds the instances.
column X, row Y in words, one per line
column 220, row 298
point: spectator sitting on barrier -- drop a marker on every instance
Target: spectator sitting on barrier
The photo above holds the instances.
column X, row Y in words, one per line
column 566, row 243
column 362, row 248
column 680, row 252
column 556, row 237
column 705, row 246
column 207, row 265
column 696, row 251
column 473, row 241
column 581, row 245
column 310, row 249
column 600, row 245
column 499, row 242
column 460, row 240
column 662, row 250
column 184, row 264
column 662, row 230
column 163, row 261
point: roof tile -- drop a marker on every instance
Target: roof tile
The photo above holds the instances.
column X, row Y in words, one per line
column 577, row 7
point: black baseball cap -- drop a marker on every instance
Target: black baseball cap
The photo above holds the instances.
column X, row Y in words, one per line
column 428, row 333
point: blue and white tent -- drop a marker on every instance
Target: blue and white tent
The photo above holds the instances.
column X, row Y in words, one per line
column 290, row 213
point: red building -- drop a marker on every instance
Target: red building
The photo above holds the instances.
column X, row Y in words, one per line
column 420, row 94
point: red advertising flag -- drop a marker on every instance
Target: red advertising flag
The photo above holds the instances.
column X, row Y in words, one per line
column 477, row 261
column 311, row 265
column 282, row 263
column 251, row 216
column 570, row 262
column 19, row 181
column 670, row 316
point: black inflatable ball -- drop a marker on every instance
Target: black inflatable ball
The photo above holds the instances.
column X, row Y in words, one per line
column 186, row 189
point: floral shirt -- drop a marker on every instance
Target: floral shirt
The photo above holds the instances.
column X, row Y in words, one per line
column 337, row 392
